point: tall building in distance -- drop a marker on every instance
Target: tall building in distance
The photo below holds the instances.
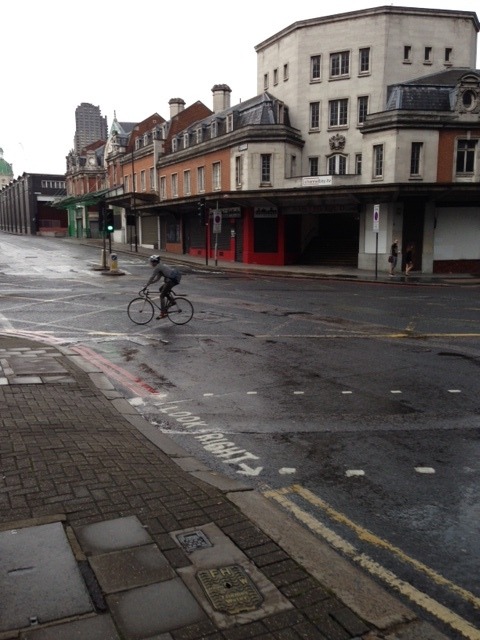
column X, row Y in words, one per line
column 90, row 126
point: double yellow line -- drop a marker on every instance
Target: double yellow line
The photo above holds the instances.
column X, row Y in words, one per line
column 442, row 613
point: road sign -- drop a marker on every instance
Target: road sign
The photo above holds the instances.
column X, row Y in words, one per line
column 217, row 221
column 376, row 217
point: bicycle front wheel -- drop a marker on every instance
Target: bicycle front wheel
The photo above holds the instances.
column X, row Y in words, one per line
column 140, row 310
column 181, row 311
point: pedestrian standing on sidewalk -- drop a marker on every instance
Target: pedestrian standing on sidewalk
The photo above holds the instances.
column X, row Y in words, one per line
column 393, row 257
column 171, row 276
column 409, row 259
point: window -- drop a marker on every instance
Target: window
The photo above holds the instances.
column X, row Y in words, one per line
column 216, row 176
column 229, row 122
column 314, row 115
column 163, row 188
column 126, row 182
column 427, row 58
column 313, row 166
column 174, row 144
column 143, row 181
column 275, row 76
column 185, row 140
column 416, row 158
column 448, row 55
column 199, row 135
column 362, row 109
column 266, row 165
column 466, row 156
column 285, row 72
column 174, row 185
column 338, row 113
column 152, row 179
column 339, row 64
column 337, row 165
column 358, row 164
column 407, row 52
column 213, row 129
column 293, row 166
column 265, row 81
column 187, row 183
column 315, row 68
column 201, row 179
column 378, row 161
column 364, row 60
column 469, row 100
column 238, row 171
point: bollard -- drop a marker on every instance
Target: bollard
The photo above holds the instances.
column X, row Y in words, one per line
column 113, row 262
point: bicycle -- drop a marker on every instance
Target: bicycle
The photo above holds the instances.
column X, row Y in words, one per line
column 141, row 309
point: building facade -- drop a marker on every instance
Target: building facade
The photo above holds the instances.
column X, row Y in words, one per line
column 27, row 205
column 90, row 126
column 365, row 128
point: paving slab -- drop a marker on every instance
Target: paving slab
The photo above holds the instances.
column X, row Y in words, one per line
column 154, row 609
column 93, row 628
column 112, row 535
column 131, row 568
column 39, row 577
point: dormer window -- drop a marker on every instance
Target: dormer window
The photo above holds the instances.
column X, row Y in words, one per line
column 174, row 145
column 199, row 134
column 229, row 122
column 213, row 129
column 469, row 100
column 185, row 140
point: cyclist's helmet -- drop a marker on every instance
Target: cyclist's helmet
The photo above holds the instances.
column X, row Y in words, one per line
column 154, row 259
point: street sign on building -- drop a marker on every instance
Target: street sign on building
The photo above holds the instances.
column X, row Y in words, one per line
column 376, row 217
column 217, row 221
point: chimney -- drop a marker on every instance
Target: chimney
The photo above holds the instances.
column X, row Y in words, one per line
column 176, row 105
column 221, row 97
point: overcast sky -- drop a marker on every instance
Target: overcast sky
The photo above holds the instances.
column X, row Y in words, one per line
column 132, row 58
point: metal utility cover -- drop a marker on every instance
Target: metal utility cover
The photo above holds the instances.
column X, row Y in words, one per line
column 39, row 577
column 194, row 540
column 230, row 589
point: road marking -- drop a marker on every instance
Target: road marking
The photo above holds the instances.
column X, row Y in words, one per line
column 441, row 612
column 347, row 393
column 298, row 393
column 454, row 391
column 252, row 393
column 354, row 472
column 286, row 470
column 424, row 469
column 395, row 391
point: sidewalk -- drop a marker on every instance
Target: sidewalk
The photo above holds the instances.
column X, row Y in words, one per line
column 111, row 531
column 305, row 271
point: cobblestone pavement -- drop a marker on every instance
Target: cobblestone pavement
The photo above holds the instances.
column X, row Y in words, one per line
column 104, row 534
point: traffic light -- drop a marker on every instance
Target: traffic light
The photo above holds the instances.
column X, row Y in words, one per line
column 109, row 222
column 202, row 211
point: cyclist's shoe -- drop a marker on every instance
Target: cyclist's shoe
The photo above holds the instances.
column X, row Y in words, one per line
column 162, row 315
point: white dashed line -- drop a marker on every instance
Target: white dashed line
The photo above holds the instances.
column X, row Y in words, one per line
column 347, row 393
column 251, row 393
column 350, row 473
column 424, row 469
column 205, row 395
column 395, row 391
column 286, row 471
column 298, row 393
column 454, row 391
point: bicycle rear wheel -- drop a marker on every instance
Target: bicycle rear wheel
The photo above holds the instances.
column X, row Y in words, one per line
column 180, row 311
column 140, row 310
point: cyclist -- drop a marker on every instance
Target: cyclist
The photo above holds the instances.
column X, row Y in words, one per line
column 171, row 276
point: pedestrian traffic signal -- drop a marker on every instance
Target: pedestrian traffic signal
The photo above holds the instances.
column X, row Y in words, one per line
column 109, row 221
column 202, row 211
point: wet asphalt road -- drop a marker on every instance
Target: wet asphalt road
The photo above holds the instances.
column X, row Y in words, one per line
column 364, row 396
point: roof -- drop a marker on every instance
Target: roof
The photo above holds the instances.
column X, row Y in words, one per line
column 430, row 93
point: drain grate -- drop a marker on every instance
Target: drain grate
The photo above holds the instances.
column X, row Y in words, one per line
column 193, row 541
column 230, row 589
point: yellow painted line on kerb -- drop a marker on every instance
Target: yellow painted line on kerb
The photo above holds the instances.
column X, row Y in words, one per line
column 441, row 612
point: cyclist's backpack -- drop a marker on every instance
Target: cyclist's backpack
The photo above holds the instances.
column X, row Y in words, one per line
column 175, row 275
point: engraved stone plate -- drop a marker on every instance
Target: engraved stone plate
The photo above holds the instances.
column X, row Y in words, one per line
column 193, row 541
column 230, row 589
